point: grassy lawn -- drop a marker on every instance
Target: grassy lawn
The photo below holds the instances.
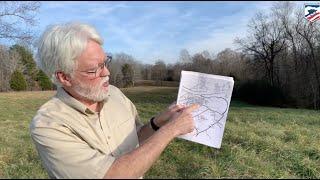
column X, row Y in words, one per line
column 258, row 142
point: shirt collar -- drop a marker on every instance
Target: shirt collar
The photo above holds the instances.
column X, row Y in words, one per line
column 72, row 102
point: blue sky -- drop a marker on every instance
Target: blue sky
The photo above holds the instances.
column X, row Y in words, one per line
column 157, row 30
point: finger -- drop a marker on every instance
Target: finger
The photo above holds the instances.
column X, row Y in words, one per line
column 173, row 104
column 191, row 108
column 177, row 108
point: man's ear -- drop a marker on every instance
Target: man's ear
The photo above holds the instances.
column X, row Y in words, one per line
column 63, row 78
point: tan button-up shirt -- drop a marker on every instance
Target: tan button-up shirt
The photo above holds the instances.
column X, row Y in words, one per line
column 75, row 142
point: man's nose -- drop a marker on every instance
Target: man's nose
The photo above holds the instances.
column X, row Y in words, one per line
column 105, row 72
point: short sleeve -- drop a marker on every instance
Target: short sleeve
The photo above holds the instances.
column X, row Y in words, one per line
column 65, row 155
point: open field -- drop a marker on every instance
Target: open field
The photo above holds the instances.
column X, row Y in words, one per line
column 259, row 142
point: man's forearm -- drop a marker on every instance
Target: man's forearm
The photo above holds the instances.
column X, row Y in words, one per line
column 145, row 132
column 138, row 161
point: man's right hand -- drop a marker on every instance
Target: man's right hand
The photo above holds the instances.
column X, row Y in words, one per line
column 182, row 122
column 142, row 158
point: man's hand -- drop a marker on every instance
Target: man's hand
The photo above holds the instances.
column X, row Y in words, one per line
column 166, row 115
column 182, row 122
column 142, row 158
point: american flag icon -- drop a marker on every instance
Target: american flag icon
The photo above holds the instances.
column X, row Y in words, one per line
column 312, row 12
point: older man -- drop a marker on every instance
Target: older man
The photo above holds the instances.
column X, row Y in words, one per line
column 90, row 129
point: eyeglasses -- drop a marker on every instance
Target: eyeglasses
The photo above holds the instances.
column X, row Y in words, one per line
column 97, row 71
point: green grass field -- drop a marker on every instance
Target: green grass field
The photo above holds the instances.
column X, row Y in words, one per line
column 258, row 142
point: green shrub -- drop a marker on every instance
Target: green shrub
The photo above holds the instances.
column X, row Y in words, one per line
column 17, row 81
column 43, row 80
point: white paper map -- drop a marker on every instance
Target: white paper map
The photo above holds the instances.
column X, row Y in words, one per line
column 213, row 94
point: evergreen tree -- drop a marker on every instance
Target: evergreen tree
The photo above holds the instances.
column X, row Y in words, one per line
column 127, row 72
column 17, row 81
column 26, row 59
column 44, row 81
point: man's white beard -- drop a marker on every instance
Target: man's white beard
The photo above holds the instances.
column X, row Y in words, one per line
column 93, row 93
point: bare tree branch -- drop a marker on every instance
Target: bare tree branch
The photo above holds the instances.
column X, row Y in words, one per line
column 16, row 18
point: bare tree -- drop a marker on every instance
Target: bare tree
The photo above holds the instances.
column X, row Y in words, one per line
column 265, row 41
column 127, row 72
column 115, row 68
column 288, row 46
column 284, row 12
column 9, row 62
column 185, row 56
column 309, row 33
column 296, row 73
column 159, row 72
column 231, row 63
column 177, row 68
column 206, row 54
column 15, row 19
column 146, row 72
column 202, row 64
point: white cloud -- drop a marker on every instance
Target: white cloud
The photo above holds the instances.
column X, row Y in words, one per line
column 222, row 32
column 103, row 9
column 151, row 31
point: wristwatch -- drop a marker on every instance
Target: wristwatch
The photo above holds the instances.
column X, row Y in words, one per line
column 153, row 125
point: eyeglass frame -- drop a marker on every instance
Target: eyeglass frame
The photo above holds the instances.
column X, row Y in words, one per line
column 106, row 64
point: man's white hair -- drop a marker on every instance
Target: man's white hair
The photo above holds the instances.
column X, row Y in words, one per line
column 60, row 45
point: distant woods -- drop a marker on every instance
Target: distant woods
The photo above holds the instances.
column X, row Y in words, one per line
column 284, row 48
column 18, row 69
column 277, row 64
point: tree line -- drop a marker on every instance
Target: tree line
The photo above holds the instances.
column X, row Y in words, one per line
column 276, row 64
column 18, row 70
column 286, row 48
